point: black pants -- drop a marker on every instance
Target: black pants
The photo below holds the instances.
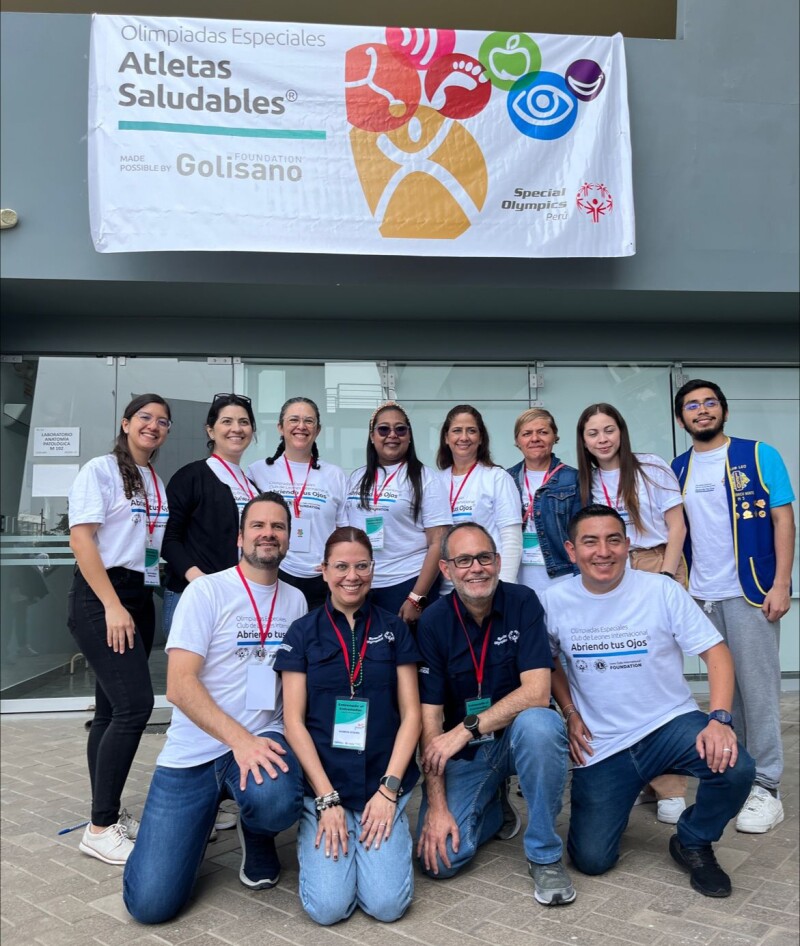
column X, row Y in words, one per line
column 123, row 693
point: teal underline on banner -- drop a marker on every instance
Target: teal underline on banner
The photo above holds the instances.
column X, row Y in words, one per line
column 219, row 130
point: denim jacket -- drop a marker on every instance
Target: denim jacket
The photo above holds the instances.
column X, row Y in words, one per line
column 554, row 504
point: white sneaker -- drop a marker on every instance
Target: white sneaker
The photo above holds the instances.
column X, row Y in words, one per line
column 225, row 819
column 111, row 845
column 761, row 812
column 670, row 809
column 130, row 824
column 645, row 798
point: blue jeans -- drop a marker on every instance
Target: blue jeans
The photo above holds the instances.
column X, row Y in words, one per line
column 171, row 599
column 603, row 794
column 534, row 747
column 380, row 881
column 178, row 817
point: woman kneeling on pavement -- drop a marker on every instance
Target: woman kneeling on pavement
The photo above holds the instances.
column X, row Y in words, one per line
column 352, row 717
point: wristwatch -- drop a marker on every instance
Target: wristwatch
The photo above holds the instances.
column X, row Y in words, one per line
column 391, row 782
column 472, row 723
column 417, row 599
column 721, row 716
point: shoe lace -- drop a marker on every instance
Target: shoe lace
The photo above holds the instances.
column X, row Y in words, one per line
column 120, row 831
column 756, row 802
column 550, row 873
column 127, row 820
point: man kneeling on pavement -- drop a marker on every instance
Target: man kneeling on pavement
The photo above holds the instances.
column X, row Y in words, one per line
column 629, row 711
column 485, row 691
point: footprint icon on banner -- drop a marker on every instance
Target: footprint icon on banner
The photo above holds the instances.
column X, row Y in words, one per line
column 457, row 86
column 426, row 180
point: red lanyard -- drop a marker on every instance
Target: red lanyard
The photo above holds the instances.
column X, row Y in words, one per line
column 151, row 525
column 529, row 511
column 605, row 493
column 244, row 486
column 479, row 668
column 377, row 495
column 262, row 631
column 463, row 482
column 352, row 675
column 297, row 499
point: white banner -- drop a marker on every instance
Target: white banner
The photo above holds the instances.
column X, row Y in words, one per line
column 228, row 135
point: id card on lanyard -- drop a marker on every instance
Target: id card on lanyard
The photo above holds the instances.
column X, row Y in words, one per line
column 479, row 703
column 531, row 547
column 374, row 525
column 350, row 714
column 260, row 684
column 152, row 578
column 300, row 539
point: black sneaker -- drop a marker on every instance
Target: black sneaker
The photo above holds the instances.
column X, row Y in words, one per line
column 511, row 819
column 260, row 868
column 705, row 874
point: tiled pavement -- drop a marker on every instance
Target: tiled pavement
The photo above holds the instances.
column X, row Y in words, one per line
column 55, row 896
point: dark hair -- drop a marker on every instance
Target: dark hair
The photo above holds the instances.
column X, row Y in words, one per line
column 346, row 534
column 282, row 442
column 413, row 463
column 695, row 385
column 594, row 511
column 444, row 458
column 228, row 400
column 131, row 477
column 268, row 497
column 445, row 546
column 630, row 466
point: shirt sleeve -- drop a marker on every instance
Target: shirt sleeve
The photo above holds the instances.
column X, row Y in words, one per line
column 91, row 494
column 659, row 477
column 693, row 631
column 291, row 652
column 182, row 500
column 339, row 496
column 550, row 623
column 775, row 476
column 435, row 504
column 193, row 624
column 533, row 650
column 433, row 667
column 406, row 650
column 507, row 510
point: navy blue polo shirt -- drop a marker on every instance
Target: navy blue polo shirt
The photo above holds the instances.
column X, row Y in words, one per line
column 312, row 647
column 518, row 642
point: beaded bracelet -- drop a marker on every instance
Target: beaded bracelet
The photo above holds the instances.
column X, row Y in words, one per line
column 331, row 800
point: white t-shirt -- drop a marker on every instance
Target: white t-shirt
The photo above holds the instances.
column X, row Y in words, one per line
column 624, row 654
column 98, row 496
column 236, row 481
column 322, row 507
column 713, row 574
column 404, row 541
column 488, row 496
column 657, row 492
column 215, row 619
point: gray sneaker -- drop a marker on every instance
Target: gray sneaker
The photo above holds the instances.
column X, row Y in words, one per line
column 551, row 884
column 511, row 819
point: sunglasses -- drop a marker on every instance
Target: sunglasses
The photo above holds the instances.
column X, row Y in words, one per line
column 399, row 430
column 237, row 398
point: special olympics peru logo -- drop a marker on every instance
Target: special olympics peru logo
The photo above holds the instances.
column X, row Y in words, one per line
column 595, row 201
column 421, row 171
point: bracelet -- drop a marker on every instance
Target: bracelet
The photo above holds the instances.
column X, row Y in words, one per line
column 570, row 712
column 669, row 575
column 331, row 800
column 416, row 604
column 388, row 797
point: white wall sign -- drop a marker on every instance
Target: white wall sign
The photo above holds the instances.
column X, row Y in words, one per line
column 290, row 137
column 56, row 441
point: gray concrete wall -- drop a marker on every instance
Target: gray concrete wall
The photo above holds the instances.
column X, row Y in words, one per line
column 715, row 147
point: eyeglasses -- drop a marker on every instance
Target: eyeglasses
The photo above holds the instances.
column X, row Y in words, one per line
column 161, row 422
column 710, row 403
column 343, row 568
column 237, row 398
column 400, row 430
column 482, row 558
column 297, row 421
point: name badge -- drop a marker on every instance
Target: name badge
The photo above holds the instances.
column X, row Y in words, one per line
column 300, row 540
column 350, row 724
column 474, row 707
column 531, row 550
column 152, row 579
column 260, row 692
column 374, row 530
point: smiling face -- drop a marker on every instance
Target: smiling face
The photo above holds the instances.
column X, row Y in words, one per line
column 463, row 438
column 264, row 536
column 232, row 433
column 601, row 437
column 146, row 430
column 391, row 436
column 299, row 428
column 476, row 584
column 705, row 424
column 600, row 551
column 536, row 440
column 348, row 575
